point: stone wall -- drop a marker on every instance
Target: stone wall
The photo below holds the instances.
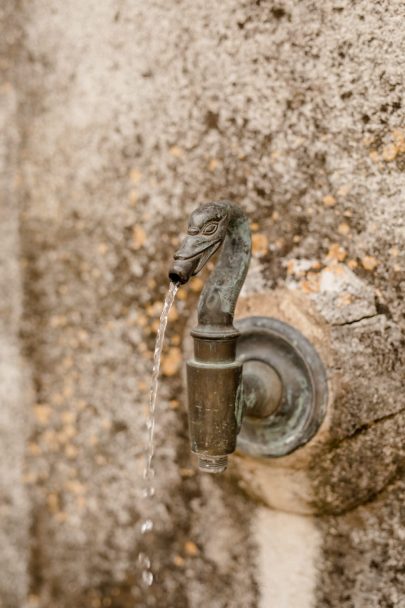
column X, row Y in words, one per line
column 15, row 398
column 120, row 117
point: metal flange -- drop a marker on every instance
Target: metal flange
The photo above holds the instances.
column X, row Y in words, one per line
column 293, row 364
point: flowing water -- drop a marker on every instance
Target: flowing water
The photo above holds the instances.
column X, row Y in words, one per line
column 149, row 473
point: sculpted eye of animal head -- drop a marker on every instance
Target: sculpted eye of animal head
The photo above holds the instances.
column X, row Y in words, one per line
column 210, row 228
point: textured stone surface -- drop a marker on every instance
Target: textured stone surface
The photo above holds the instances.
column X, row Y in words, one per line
column 129, row 114
column 366, row 548
column 14, row 506
column 289, row 551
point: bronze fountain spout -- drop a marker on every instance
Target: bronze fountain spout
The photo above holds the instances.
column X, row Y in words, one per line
column 271, row 354
column 214, row 375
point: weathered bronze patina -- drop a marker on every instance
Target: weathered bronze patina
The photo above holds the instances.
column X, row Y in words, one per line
column 284, row 385
column 214, row 375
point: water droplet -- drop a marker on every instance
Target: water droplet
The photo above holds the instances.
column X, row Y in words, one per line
column 147, row 577
column 146, row 526
column 148, row 474
column 144, row 560
column 148, row 492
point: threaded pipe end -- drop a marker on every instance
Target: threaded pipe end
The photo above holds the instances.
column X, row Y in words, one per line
column 212, row 464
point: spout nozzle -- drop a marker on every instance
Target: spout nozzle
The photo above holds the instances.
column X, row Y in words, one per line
column 176, row 278
column 212, row 464
column 180, row 273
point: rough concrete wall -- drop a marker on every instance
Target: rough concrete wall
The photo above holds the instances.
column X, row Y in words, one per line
column 130, row 113
column 364, row 550
column 14, row 506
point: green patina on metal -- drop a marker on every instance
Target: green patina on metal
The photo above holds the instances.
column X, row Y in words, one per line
column 210, row 226
column 214, row 376
column 239, row 406
column 285, row 382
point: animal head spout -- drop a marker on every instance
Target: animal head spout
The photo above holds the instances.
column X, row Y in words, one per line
column 206, row 231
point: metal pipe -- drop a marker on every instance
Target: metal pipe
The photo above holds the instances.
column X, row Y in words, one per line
column 214, row 376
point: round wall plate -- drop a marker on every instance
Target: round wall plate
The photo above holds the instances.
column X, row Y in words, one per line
column 304, row 387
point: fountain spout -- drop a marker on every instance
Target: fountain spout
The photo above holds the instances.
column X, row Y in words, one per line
column 214, row 374
column 282, row 399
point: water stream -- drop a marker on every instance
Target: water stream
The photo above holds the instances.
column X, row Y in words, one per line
column 149, row 472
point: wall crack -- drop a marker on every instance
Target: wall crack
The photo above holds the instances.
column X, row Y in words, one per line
column 358, row 320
